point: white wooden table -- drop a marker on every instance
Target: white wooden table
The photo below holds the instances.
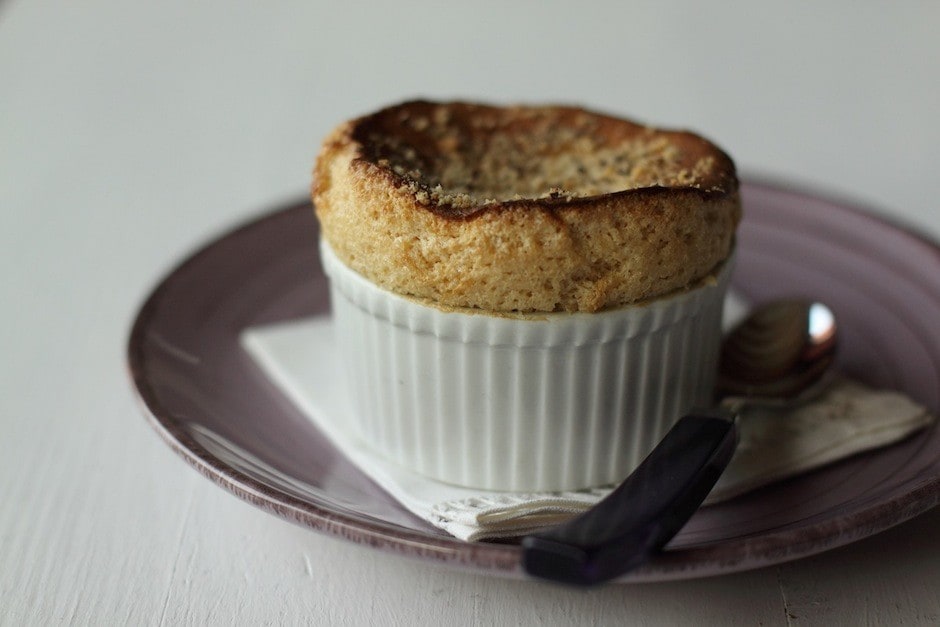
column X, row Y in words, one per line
column 132, row 132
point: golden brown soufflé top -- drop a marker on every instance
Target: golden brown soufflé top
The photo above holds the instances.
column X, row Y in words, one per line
column 524, row 208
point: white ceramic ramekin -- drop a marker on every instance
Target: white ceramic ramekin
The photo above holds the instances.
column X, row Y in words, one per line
column 549, row 402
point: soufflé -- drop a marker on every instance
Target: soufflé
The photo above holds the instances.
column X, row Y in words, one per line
column 525, row 297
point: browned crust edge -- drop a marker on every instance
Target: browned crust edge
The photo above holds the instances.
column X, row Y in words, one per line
column 721, row 182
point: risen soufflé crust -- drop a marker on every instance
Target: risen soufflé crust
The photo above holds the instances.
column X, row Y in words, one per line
column 524, row 208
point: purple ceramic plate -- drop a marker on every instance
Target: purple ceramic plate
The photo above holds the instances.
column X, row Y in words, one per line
column 199, row 387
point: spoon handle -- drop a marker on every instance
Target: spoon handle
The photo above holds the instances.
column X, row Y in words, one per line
column 644, row 512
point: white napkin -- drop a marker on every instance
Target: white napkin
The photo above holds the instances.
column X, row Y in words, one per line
column 847, row 419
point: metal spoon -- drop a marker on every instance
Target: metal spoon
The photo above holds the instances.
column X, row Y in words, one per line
column 774, row 356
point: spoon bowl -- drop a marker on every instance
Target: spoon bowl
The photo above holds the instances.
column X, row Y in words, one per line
column 778, row 351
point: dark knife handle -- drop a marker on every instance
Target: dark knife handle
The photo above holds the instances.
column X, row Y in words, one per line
column 644, row 512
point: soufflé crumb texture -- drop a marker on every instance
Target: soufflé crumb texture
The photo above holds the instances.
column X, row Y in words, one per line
column 524, row 208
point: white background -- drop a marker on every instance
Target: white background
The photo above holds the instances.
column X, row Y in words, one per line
column 131, row 132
